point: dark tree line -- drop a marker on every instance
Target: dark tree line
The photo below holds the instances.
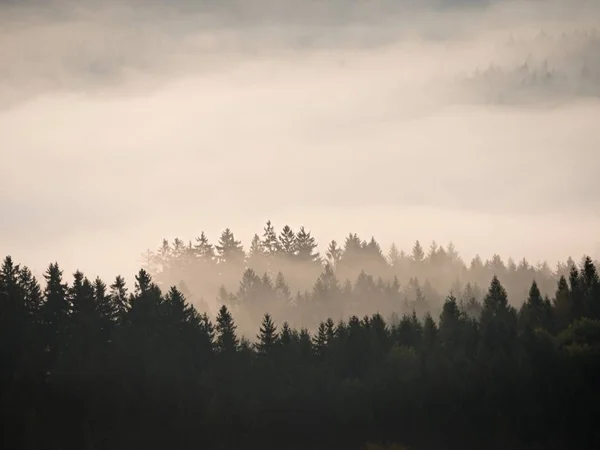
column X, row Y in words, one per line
column 279, row 270
column 88, row 365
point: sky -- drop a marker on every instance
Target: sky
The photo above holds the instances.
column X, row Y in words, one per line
column 123, row 125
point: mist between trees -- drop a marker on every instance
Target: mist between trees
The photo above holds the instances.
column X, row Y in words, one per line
column 283, row 273
column 92, row 366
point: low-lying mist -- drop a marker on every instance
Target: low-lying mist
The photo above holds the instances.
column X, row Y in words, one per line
column 470, row 122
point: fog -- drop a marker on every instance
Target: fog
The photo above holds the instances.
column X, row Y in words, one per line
column 121, row 125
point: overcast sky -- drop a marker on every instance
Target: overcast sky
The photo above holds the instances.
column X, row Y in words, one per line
column 118, row 129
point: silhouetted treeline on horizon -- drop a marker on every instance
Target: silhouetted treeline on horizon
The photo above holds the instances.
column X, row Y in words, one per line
column 91, row 366
column 283, row 273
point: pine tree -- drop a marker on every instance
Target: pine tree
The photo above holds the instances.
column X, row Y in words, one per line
column 176, row 309
column 418, row 254
column 305, row 247
column 577, row 301
column 305, row 344
column 287, row 242
column 374, row 253
column 394, row 256
column 82, row 295
column 498, row 318
column 107, row 309
column 119, row 298
column 430, row 331
column 13, row 323
column 320, row 341
column 32, row 292
column 230, row 250
column 207, row 328
column 203, row 249
column 11, row 301
column 256, row 247
column 534, row 312
column 590, row 287
column 286, row 336
column 267, row 338
column 56, row 308
column 227, row 341
column 270, row 242
column 257, row 257
column 334, row 254
column 451, row 321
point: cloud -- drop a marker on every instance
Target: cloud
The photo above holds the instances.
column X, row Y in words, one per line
column 120, row 126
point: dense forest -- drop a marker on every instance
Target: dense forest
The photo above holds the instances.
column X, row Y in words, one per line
column 283, row 272
column 88, row 365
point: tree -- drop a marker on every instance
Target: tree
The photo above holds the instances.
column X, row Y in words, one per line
column 267, row 338
column 590, row 287
column 498, row 318
column 394, row 256
column 286, row 336
column 562, row 305
column 287, row 242
column 418, row 254
column 257, row 257
column 31, row 291
column 203, row 249
column 535, row 312
column 227, row 341
column 55, row 310
column 334, row 254
column 119, row 298
column 320, row 341
column 430, row 331
column 305, row 247
column 230, row 250
column 270, row 242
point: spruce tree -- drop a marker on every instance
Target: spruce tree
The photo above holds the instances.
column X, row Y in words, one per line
column 55, row 310
column 334, row 254
column 287, row 242
column 418, row 254
column 229, row 250
column 119, row 298
column 305, row 247
column 270, row 242
column 227, row 341
column 267, row 337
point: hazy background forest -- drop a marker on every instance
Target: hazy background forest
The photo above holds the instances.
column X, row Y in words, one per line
column 283, row 273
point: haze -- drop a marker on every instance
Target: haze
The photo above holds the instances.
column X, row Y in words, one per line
column 120, row 126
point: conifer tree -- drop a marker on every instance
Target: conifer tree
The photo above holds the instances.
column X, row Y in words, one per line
column 319, row 343
column 394, row 256
column 305, row 247
column 119, row 298
column 286, row 335
column 535, row 312
column 267, row 337
column 270, row 242
column 418, row 254
column 430, row 331
column 56, row 309
column 334, row 254
column 498, row 318
column 227, row 341
column 203, row 249
column 230, row 250
column 287, row 242
column 32, row 293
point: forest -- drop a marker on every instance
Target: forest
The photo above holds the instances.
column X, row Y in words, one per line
column 415, row 350
column 283, row 272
